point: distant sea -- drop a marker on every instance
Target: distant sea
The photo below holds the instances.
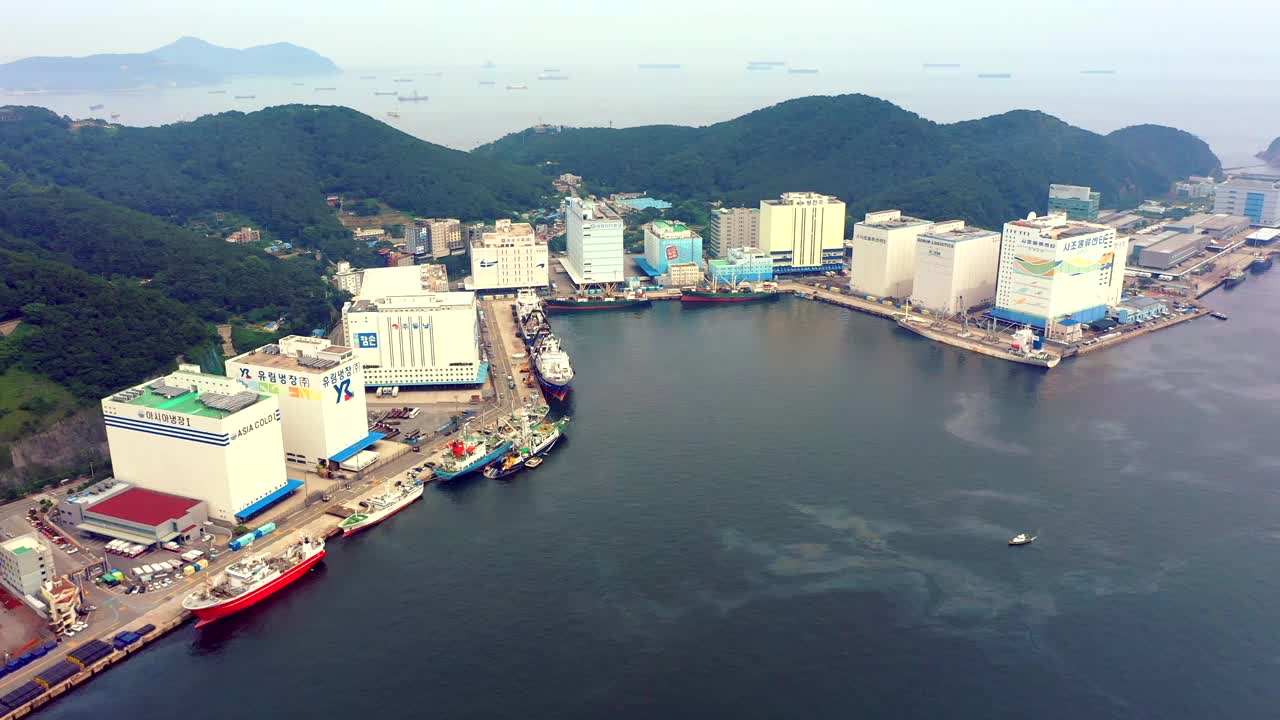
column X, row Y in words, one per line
column 462, row 113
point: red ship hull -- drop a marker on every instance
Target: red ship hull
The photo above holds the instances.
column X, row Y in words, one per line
column 207, row 615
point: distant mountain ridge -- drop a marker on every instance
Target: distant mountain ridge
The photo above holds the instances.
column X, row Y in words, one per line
column 873, row 154
column 186, row 62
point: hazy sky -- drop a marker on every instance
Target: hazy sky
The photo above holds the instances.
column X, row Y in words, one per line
column 372, row 33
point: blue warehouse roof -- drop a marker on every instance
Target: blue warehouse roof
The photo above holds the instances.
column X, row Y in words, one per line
column 350, row 451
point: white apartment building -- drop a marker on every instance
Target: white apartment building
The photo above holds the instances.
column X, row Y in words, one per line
column 26, row 564
column 955, row 268
column 508, row 257
column 803, row 232
column 1053, row 269
column 320, row 387
column 1255, row 196
column 733, row 228
column 594, row 243
column 347, row 278
column 884, row 253
column 206, row 437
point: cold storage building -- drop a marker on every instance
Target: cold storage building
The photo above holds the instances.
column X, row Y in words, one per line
column 206, row 437
column 1054, row 269
column 955, row 269
column 320, row 387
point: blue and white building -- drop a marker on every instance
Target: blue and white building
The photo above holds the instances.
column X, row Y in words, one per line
column 200, row 436
column 1054, row 269
column 405, row 335
column 743, row 264
column 1255, row 196
column 667, row 242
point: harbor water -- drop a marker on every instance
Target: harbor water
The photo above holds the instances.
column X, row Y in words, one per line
column 792, row 510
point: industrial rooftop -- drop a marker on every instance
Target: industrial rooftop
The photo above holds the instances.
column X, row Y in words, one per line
column 145, row 507
column 959, row 234
column 392, row 281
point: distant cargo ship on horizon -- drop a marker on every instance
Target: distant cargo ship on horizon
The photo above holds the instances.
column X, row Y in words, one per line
column 1097, row 72
column 930, row 66
column 802, row 71
column 994, row 76
column 659, row 66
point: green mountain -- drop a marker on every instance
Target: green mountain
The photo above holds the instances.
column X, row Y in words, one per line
column 274, row 166
column 1271, row 155
column 872, row 154
column 186, row 62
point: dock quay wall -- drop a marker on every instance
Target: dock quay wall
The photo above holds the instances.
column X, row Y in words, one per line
column 164, row 623
column 165, row 618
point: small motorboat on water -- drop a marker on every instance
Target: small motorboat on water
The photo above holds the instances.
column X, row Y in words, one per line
column 533, row 462
column 1022, row 539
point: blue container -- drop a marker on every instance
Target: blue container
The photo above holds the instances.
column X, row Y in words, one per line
column 39, row 652
column 52, row 644
column 265, row 530
column 1038, row 344
column 243, row 541
column 12, row 665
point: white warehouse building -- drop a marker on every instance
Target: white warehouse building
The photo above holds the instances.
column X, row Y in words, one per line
column 320, row 387
column 884, row 253
column 406, row 335
column 593, row 243
column 508, row 257
column 1053, row 270
column 955, row 268
column 200, row 436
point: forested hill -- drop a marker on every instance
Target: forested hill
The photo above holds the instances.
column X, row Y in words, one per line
column 76, row 269
column 274, row 166
column 872, row 154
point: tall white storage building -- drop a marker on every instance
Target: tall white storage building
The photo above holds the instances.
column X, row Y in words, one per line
column 955, row 268
column 200, row 436
column 803, row 232
column 26, row 563
column 320, row 387
column 507, row 258
column 593, row 243
column 1054, row 270
column 404, row 334
column 884, row 253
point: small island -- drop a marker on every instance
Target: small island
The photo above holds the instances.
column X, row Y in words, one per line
column 186, row 62
column 1271, row 155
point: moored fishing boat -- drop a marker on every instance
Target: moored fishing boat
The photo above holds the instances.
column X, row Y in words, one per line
column 552, row 367
column 531, row 439
column 249, row 581
column 468, row 454
column 382, row 506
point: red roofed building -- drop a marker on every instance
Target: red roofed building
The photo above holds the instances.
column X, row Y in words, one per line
column 141, row 516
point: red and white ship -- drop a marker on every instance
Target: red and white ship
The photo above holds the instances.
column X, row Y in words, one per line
column 254, row 579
